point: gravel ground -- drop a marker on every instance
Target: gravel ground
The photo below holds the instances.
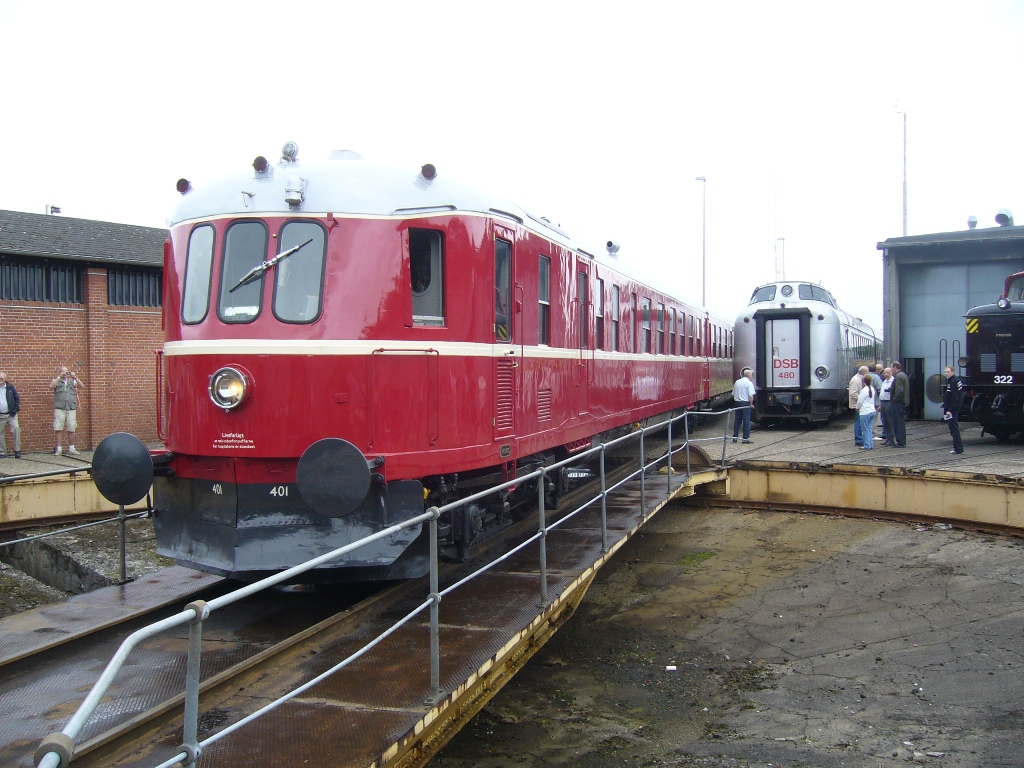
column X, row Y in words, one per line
column 727, row 639
column 91, row 557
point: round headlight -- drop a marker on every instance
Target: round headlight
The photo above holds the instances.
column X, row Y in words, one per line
column 227, row 388
column 821, row 372
column 962, row 362
column 1003, row 303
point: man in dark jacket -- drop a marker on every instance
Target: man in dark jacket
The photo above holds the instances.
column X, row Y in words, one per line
column 952, row 400
column 898, row 407
column 10, row 404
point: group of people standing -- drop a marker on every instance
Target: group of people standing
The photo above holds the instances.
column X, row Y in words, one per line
column 66, row 387
column 881, row 395
column 884, row 394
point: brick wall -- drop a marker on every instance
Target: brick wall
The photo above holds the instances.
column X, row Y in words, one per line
column 110, row 348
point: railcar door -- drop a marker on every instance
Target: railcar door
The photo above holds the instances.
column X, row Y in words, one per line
column 505, row 330
column 782, row 340
column 581, row 318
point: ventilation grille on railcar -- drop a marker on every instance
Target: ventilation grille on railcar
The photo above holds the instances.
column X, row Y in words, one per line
column 544, row 405
column 505, row 386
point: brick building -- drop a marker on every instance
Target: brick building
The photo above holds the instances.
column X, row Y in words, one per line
column 85, row 294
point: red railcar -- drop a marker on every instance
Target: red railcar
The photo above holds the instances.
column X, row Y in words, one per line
column 346, row 343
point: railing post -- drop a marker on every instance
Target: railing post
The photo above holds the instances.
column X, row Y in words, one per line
column 121, row 529
column 725, row 436
column 435, row 631
column 686, row 428
column 643, row 473
column 604, row 507
column 543, row 540
column 668, row 466
column 190, row 727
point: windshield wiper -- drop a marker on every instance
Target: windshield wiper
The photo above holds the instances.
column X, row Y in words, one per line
column 259, row 269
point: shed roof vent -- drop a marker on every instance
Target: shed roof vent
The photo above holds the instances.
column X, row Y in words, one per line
column 1004, row 218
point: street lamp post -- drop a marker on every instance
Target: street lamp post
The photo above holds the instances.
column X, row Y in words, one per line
column 703, row 239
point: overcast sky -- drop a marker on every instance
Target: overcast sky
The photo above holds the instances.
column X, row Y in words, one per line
column 595, row 114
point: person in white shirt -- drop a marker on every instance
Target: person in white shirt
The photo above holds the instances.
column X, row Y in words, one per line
column 885, row 401
column 866, row 412
column 743, row 392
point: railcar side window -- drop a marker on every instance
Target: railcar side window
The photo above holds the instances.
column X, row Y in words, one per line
column 245, row 249
column 502, row 290
column 299, row 279
column 766, row 293
column 646, row 322
column 635, row 326
column 195, row 301
column 615, row 317
column 426, row 271
column 661, row 330
column 544, row 301
column 599, row 332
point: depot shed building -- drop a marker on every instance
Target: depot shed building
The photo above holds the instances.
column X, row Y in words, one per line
column 85, row 294
column 928, row 284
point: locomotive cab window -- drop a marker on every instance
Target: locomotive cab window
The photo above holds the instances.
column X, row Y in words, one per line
column 241, row 282
column 767, row 293
column 426, row 271
column 299, row 276
column 1016, row 291
column 195, row 301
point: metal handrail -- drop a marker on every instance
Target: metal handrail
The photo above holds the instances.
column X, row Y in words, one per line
column 6, row 479
column 57, row 749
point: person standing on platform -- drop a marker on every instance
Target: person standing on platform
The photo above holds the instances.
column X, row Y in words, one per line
column 885, row 401
column 952, row 400
column 876, row 384
column 856, row 385
column 743, row 393
column 898, row 408
column 10, row 404
column 65, row 408
column 866, row 412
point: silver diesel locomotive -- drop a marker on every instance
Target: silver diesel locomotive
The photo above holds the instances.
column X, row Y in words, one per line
column 803, row 349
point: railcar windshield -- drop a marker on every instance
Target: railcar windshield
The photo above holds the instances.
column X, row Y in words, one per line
column 766, row 293
column 195, row 301
column 816, row 293
column 245, row 249
column 297, row 284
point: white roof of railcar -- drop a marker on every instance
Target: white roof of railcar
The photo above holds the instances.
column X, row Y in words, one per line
column 344, row 183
